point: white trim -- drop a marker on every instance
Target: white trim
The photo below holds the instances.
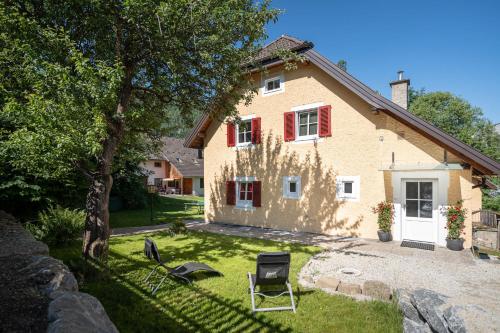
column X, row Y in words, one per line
column 237, row 132
column 355, row 195
column 243, row 204
column 442, row 179
column 304, row 107
column 286, row 182
column 281, row 89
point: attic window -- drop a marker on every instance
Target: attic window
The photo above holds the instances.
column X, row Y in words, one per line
column 157, row 164
column 274, row 85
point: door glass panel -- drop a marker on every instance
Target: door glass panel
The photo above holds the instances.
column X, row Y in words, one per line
column 412, row 190
column 411, row 208
column 426, row 209
column 426, row 190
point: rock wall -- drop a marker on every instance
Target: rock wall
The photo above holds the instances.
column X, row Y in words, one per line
column 38, row 292
column 428, row 311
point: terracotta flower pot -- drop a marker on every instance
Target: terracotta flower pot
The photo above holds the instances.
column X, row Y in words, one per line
column 384, row 236
column 455, row 244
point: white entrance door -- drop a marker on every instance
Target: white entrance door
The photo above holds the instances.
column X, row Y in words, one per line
column 420, row 211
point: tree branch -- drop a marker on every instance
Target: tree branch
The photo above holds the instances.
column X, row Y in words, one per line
column 83, row 170
column 158, row 95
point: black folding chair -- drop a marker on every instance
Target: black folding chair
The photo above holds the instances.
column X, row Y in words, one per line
column 272, row 271
column 180, row 272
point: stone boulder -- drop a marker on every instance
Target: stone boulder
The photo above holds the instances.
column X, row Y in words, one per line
column 328, row 283
column 349, row 288
column 50, row 275
column 410, row 326
column 471, row 318
column 430, row 306
column 78, row 312
column 377, row 289
column 403, row 297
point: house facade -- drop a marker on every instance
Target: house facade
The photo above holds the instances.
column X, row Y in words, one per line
column 176, row 169
column 317, row 149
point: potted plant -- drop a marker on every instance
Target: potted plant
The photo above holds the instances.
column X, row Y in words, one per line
column 385, row 211
column 455, row 216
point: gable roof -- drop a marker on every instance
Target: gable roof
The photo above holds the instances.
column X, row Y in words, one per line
column 184, row 159
column 481, row 162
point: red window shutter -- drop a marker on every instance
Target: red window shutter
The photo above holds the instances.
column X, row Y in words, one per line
column 231, row 135
column 256, row 130
column 289, row 134
column 256, row 193
column 325, row 120
column 231, row 192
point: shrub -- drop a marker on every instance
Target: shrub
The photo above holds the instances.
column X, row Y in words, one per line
column 455, row 216
column 58, row 226
column 385, row 211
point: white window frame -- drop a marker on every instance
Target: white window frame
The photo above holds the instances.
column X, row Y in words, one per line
column 237, row 132
column 244, row 204
column 281, row 89
column 297, row 125
column 286, row 187
column 339, row 182
column 304, row 108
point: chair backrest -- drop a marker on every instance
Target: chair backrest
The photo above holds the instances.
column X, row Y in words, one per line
column 272, row 268
column 151, row 250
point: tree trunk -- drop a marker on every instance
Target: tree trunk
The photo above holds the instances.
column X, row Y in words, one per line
column 95, row 238
column 97, row 232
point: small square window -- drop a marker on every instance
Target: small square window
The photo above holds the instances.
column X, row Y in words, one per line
column 348, row 187
column 291, row 187
column 157, row 164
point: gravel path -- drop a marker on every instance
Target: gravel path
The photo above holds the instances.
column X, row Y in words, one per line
column 458, row 275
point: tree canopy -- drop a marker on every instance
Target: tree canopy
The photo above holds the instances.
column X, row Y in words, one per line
column 84, row 81
column 457, row 117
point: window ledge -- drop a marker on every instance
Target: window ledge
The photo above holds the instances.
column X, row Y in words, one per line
column 347, row 198
column 291, row 197
column 243, row 146
column 244, row 208
column 273, row 92
column 308, row 140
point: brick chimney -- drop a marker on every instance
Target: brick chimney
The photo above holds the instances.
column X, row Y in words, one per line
column 400, row 90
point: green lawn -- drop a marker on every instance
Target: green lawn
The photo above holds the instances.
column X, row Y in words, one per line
column 217, row 304
column 165, row 209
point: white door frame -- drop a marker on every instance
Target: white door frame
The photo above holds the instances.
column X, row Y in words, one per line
column 442, row 179
column 405, row 232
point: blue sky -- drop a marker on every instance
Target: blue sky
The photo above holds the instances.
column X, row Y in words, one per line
column 441, row 45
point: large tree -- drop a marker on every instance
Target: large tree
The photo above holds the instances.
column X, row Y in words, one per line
column 83, row 77
column 457, row 117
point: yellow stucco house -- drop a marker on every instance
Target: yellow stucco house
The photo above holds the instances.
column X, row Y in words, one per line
column 316, row 149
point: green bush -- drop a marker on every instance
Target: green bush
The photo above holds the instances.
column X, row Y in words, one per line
column 58, row 226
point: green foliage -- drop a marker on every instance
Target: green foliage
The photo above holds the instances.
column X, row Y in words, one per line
column 129, row 186
column 342, row 64
column 166, row 210
column 491, row 198
column 58, row 226
column 457, row 117
column 385, row 211
column 220, row 304
column 456, row 215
